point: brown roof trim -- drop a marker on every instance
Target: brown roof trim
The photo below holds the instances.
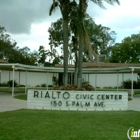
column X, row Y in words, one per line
column 3, row 61
column 109, row 65
column 103, row 65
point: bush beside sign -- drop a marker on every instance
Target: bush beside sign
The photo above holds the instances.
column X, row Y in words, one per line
column 77, row 100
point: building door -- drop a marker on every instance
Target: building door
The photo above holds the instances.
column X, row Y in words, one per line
column 70, row 79
column 60, row 79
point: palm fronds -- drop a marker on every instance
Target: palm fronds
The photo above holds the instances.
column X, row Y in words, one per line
column 53, row 6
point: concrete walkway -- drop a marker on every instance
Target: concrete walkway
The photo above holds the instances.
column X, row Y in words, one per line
column 134, row 104
column 8, row 103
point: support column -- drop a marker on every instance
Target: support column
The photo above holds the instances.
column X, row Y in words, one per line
column 47, row 80
column 25, row 82
column 9, row 76
column 19, row 82
column 122, row 78
column 117, row 80
column 132, row 91
column 71, row 79
column 52, row 80
column 13, row 81
column 0, row 76
column 95, row 81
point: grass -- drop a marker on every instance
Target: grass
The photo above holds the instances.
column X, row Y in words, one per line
column 21, row 89
column 7, row 90
column 67, row 125
column 21, row 97
column 137, row 92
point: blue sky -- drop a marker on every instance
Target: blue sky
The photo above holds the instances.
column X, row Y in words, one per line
column 28, row 21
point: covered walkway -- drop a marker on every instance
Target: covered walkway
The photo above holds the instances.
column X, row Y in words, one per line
column 88, row 68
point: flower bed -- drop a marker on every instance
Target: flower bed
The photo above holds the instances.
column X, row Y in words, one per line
column 85, row 87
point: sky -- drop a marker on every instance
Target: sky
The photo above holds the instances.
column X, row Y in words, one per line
column 27, row 21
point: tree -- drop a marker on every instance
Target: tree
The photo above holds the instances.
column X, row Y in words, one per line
column 42, row 55
column 12, row 53
column 23, row 56
column 6, row 44
column 65, row 10
column 101, row 38
column 94, row 32
column 56, row 41
column 83, row 38
column 54, row 57
column 126, row 52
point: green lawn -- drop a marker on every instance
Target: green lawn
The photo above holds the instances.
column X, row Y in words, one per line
column 21, row 97
column 137, row 92
column 67, row 125
column 8, row 90
column 20, row 90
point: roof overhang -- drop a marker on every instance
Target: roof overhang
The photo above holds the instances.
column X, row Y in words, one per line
column 88, row 70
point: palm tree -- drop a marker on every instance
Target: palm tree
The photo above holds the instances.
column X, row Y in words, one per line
column 83, row 37
column 79, row 29
column 64, row 6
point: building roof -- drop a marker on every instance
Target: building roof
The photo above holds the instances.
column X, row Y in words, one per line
column 103, row 65
column 3, row 61
column 109, row 65
column 88, row 68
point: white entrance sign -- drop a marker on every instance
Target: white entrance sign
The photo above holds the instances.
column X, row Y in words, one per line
column 77, row 100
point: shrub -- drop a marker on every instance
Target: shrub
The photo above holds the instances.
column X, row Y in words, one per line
column 10, row 83
column 43, row 85
column 85, row 82
column 109, row 87
column 22, row 85
column 85, row 87
column 88, row 87
column 118, row 87
column 127, row 84
column 3, row 84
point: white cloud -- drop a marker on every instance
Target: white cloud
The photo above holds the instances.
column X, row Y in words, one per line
column 38, row 36
column 124, row 19
column 119, row 13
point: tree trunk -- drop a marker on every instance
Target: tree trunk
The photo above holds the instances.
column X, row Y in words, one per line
column 76, row 68
column 80, row 61
column 82, row 13
column 65, row 49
